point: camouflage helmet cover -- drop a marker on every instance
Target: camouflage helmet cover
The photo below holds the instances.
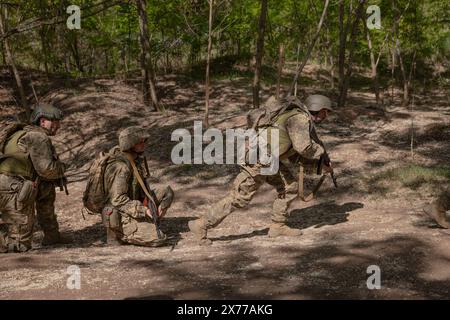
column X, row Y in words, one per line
column 44, row 110
column 317, row 102
column 131, row 136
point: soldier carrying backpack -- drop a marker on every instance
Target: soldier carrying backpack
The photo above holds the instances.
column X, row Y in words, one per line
column 294, row 122
column 27, row 161
column 117, row 188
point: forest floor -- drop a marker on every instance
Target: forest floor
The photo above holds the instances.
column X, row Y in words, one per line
column 373, row 218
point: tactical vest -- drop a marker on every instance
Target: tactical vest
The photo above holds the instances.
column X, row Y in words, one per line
column 17, row 162
column 285, row 143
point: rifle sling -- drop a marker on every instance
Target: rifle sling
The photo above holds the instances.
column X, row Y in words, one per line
column 139, row 179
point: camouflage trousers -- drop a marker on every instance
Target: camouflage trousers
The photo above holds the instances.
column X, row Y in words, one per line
column 142, row 232
column 246, row 184
column 17, row 198
column 45, row 209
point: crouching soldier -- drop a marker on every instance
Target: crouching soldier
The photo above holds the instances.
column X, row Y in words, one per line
column 27, row 157
column 437, row 209
column 127, row 212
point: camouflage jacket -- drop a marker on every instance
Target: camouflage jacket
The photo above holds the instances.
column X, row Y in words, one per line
column 124, row 191
column 303, row 137
column 38, row 153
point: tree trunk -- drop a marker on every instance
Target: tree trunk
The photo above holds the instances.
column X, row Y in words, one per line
column 399, row 54
column 208, row 59
column 342, row 42
column 311, row 45
column 296, row 67
column 373, row 64
column 11, row 62
column 259, row 53
column 280, row 69
column 345, row 82
column 148, row 76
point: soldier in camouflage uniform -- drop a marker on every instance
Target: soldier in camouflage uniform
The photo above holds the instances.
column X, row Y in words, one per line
column 28, row 164
column 297, row 139
column 437, row 209
column 125, row 216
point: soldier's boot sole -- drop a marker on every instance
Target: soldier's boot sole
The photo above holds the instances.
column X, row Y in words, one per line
column 437, row 215
column 280, row 229
column 200, row 230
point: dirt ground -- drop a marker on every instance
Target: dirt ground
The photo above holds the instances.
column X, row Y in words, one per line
column 367, row 221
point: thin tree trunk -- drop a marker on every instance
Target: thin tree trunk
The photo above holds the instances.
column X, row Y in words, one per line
column 331, row 59
column 311, row 45
column 11, row 62
column 373, row 64
column 208, row 59
column 346, row 80
column 332, row 75
column 342, row 42
column 280, row 69
column 399, row 54
column 148, row 76
column 259, row 53
column 392, row 54
column 296, row 67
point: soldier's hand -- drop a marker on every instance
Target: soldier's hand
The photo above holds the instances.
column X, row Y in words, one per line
column 327, row 169
column 148, row 213
column 161, row 212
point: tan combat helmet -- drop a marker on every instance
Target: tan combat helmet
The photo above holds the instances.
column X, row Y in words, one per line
column 131, row 136
column 317, row 102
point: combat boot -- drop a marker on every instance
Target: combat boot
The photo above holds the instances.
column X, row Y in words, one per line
column 200, row 230
column 278, row 229
column 437, row 213
column 51, row 238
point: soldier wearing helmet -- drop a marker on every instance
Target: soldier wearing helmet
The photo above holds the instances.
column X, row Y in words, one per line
column 27, row 167
column 294, row 123
column 126, row 216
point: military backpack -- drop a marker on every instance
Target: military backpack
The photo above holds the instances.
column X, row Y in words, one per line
column 95, row 195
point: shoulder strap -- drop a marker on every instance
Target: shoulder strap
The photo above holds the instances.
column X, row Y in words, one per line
column 139, row 178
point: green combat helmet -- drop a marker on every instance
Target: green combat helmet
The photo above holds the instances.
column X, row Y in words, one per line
column 47, row 111
column 317, row 102
column 131, row 136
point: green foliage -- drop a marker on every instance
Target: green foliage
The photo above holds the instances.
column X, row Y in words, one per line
column 108, row 42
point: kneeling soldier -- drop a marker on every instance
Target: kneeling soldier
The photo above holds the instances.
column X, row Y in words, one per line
column 126, row 216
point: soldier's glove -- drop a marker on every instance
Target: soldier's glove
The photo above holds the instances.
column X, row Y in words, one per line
column 324, row 164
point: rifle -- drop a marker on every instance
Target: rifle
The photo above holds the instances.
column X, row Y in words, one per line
column 326, row 160
column 63, row 185
column 150, row 203
column 150, row 196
